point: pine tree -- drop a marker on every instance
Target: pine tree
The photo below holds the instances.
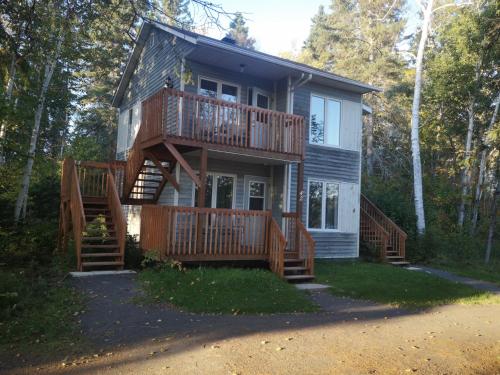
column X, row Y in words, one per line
column 239, row 32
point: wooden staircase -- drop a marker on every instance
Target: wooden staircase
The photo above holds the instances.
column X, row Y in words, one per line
column 100, row 245
column 91, row 211
column 381, row 232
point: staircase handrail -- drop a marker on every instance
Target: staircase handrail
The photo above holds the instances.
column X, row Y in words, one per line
column 385, row 217
column 116, row 212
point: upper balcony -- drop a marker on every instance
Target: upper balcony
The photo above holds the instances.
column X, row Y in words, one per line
column 195, row 120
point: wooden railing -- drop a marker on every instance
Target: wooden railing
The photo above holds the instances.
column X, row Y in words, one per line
column 375, row 225
column 374, row 234
column 117, row 215
column 277, row 245
column 299, row 241
column 93, row 177
column 77, row 215
column 171, row 112
column 204, row 233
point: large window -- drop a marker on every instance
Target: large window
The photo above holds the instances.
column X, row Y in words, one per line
column 219, row 191
column 322, row 205
column 325, row 121
column 219, row 90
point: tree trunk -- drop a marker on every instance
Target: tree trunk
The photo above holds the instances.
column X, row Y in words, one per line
column 482, row 168
column 415, row 142
column 465, row 179
column 8, row 97
column 493, row 220
column 369, row 144
column 23, row 193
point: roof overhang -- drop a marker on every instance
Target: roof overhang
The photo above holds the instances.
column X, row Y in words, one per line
column 232, row 57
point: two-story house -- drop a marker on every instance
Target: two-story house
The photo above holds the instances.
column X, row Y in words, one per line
column 233, row 154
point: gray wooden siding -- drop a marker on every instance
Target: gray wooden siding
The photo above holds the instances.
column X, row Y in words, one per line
column 337, row 164
column 157, row 62
column 335, row 245
column 277, row 191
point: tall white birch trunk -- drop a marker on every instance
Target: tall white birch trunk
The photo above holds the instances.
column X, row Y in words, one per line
column 23, row 193
column 482, row 169
column 8, row 97
column 369, row 144
column 415, row 141
column 465, row 178
column 494, row 214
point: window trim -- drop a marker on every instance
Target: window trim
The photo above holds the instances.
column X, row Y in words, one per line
column 247, row 203
column 214, row 191
column 326, row 97
column 323, row 206
column 219, row 83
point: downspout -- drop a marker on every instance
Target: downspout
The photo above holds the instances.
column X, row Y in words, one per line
column 290, row 94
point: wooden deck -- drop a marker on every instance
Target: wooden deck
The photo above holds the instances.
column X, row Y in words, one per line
column 193, row 120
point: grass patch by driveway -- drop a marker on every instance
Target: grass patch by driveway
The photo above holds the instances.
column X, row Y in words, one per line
column 224, row 290
column 397, row 286
column 37, row 313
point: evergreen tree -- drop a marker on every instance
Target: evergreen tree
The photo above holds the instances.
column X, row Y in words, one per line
column 239, row 32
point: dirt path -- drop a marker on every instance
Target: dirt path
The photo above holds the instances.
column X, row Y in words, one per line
column 350, row 337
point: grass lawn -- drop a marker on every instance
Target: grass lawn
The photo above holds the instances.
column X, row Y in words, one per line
column 37, row 314
column 224, row 290
column 489, row 272
column 396, row 286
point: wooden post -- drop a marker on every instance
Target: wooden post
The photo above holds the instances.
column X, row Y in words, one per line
column 201, row 197
column 299, row 203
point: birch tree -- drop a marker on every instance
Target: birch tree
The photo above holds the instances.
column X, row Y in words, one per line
column 482, row 167
column 26, row 177
column 415, row 139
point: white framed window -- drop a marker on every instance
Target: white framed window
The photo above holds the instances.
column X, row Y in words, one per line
column 218, row 89
column 324, row 121
column 220, row 191
column 322, row 205
column 256, row 195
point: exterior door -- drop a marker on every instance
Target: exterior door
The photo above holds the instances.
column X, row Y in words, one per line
column 260, row 122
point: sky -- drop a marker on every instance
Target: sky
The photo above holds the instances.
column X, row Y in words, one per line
column 283, row 25
column 277, row 26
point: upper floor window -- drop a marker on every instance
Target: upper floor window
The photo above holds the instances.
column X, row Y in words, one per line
column 217, row 89
column 325, row 121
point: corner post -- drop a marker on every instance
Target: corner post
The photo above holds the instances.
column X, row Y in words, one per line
column 201, row 198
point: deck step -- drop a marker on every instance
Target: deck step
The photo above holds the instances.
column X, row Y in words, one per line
column 298, row 277
column 93, row 246
column 99, row 238
column 394, row 257
column 99, row 264
column 295, row 268
column 97, row 255
column 400, row 263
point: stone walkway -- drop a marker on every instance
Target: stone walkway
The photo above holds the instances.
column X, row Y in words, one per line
column 477, row 284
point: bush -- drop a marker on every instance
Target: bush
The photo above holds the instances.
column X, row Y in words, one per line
column 29, row 244
column 133, row 254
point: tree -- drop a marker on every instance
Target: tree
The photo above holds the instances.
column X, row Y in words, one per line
column 239, row 32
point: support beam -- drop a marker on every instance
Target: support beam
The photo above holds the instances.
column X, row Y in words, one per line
column 203, row 177
column 183, row 163
column 201, row 197
column 166, row 174
column 300, row 190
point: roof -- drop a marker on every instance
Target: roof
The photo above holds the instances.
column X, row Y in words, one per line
column 204, row 43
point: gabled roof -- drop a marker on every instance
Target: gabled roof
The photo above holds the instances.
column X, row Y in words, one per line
column 204, row 42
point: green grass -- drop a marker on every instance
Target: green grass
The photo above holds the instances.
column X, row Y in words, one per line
column 37, row 313
column 223, row 290
column 484, row 272
column 396, row 286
